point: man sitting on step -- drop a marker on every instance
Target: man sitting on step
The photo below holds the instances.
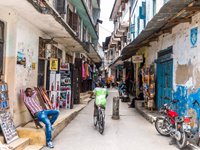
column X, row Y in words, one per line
column 48, row 117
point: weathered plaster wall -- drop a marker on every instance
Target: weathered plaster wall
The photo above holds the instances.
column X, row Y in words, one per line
column 27, row 42
column 186, row 67
column 9, row 18
column 19, row 35
column 186, row 59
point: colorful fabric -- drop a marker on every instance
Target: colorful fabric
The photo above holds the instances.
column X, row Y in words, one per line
column 83, row 71
column 90, row 72
column 101, row 94
column 86, row 70
column 32, row 104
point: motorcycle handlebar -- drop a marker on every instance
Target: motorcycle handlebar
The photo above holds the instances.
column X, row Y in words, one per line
column 196, row 102
column 175, row 101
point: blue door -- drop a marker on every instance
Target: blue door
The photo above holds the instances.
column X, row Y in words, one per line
column 164, row 82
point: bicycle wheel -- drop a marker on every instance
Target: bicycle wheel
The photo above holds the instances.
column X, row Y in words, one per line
column 95, row 120
column 101, row 122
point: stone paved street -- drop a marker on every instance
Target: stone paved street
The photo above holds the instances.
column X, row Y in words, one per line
column 132, row 131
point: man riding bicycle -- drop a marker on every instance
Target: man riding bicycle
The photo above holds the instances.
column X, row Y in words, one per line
column 101, row 94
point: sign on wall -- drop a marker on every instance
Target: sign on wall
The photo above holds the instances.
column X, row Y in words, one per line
column 194, row 37
column 21, row 59
column 137, row 59
column 53, row 64
column 8, row 127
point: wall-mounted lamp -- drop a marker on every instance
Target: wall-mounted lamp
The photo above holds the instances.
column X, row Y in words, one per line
column 99, row 21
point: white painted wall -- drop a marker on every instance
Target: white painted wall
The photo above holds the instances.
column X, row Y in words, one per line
column 20, row 35
column 149, row 8
column 149, row 14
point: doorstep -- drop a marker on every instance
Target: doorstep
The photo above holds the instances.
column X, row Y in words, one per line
column 149, row 115
column 37, row 136
column 84, row 99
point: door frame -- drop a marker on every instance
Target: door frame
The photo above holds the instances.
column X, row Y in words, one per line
column 2, row 25
column 163, row 57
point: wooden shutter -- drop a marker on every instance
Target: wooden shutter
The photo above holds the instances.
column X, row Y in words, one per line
column 61, row 6
column 75, row 22
column 70, row 18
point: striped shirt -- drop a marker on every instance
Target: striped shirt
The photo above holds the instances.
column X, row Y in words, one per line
column 32, row 104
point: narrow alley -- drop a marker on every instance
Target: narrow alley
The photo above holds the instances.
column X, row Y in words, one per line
column 132, row 131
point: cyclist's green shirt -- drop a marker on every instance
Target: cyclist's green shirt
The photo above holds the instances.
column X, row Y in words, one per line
column 101, row 94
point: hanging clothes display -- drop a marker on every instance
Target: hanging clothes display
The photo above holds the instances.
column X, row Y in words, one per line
column 90, row 72
column 83, row 72
column 86, row 70
column 148, row 76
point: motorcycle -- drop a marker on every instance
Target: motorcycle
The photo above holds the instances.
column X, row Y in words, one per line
column 170, row 124
column 189, row 131
column 166, row 122
column 123, row 94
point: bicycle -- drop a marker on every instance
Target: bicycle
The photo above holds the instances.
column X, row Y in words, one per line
column 99, row 119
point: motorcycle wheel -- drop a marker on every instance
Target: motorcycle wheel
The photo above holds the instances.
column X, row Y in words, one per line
column 162, row 129
column 183, row 142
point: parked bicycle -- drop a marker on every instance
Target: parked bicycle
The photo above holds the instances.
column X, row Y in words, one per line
column 99, row 119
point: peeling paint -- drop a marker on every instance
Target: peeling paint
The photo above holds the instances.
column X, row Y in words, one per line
column 183, row 73
column 185, row 105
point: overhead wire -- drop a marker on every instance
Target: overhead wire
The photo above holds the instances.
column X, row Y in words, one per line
column 105, row 29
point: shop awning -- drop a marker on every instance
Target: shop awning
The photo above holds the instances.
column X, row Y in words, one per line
column 171, row 14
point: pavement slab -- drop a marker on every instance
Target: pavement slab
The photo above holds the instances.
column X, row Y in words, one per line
column 132, row 131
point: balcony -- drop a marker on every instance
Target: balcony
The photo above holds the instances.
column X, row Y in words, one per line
column 82, row 10
column 92, row 52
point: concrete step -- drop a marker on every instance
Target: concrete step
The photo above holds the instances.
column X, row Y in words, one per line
column 83, row 94
column 82, row 98
column 86, row 101
column 2, row 139
column 19, row 144
column 33, row 147
column 150, row 116
column 37, row 136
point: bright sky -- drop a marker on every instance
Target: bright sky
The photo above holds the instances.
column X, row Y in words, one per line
column 106, row 28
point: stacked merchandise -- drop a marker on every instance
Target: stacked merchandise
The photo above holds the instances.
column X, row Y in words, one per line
column 54, row 89
column 60, row 86
column 4, row 104
column 151, row 88
column 6, row 122
column 53, row 82
column 145, row 80
column 65, row 87
column 148, row 86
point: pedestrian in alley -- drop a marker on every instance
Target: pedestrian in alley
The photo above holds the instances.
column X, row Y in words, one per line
column 101, row 94
column 48, row 117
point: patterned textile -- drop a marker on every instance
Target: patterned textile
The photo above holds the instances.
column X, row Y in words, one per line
column 32, row 104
